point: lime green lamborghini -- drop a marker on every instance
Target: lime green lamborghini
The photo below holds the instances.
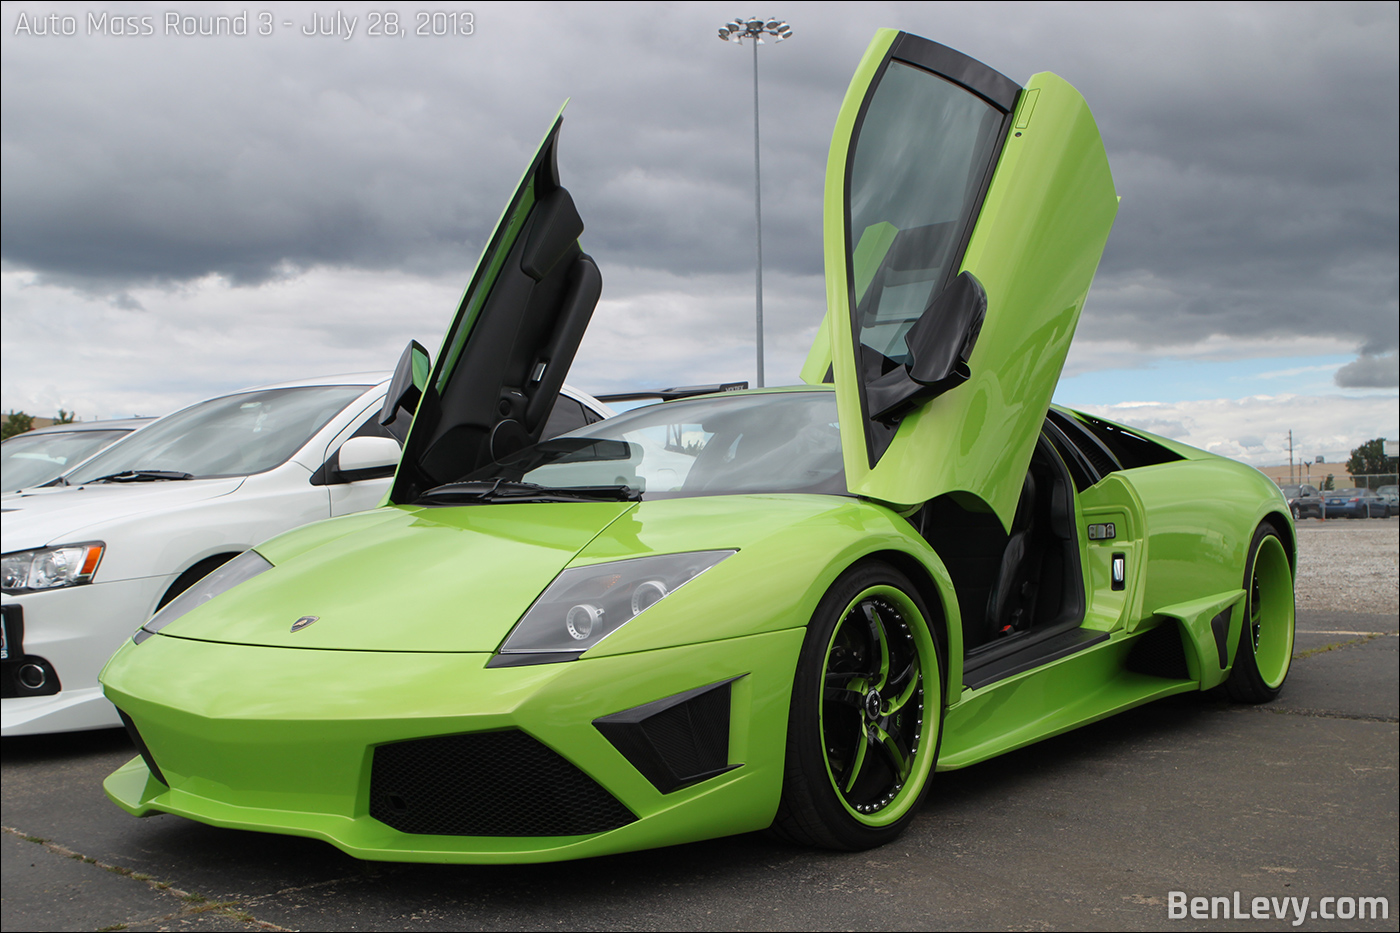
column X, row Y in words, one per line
column 777, row 609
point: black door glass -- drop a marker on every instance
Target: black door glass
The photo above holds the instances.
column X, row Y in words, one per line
column 920, row 159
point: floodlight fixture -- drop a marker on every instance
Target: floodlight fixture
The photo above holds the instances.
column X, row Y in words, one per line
column 737, row 30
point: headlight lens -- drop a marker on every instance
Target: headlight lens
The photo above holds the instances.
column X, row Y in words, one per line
column 51, row 567
column 584, row 605
column 243, row 567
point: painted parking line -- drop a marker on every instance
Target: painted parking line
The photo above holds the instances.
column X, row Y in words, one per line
column 1306, row 631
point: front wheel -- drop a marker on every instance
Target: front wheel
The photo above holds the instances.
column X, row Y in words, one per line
column 866, row 714
column 1266, row 639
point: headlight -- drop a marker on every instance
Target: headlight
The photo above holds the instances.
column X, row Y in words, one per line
column 243, row 567
column 51, row 567
column 584, row 605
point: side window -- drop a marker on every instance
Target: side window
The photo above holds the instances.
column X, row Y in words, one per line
column 1080, row 469
column 567, row 415
column 1131, row 450
column 1089, row 447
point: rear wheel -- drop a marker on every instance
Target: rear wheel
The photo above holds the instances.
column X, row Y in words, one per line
column 1266, row 639
column 866, row 713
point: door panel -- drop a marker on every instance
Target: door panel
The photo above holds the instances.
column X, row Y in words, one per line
column 516, row 331
column 931, row 175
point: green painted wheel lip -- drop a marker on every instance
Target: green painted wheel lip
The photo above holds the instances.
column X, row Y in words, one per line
column 905, row 791
column 1271, row 612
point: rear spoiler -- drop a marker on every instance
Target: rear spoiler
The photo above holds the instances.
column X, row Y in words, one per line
column 670, row 395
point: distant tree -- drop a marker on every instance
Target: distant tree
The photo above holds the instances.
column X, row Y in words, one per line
column 1328, row 483
column 64, row 417
column 1369, row 460
column 16, row 422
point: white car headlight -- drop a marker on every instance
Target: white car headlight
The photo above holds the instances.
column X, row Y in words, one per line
column 50, row 568
column 584, row 605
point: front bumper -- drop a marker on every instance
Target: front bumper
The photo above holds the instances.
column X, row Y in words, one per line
column 76, row 629
column 283, row 740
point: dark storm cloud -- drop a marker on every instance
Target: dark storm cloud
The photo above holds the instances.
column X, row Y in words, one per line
column 1253, row 147
column 1370, row 372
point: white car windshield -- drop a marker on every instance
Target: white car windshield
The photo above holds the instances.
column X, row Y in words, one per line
column 231, row 436
column 718, row 445
column 34, row 459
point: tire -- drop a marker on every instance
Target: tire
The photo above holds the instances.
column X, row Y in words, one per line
column 858, row 761
column 1297, row 513
column 1265, row 649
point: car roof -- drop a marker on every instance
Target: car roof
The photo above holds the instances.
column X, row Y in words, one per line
column 344, row 379
column 111, row 424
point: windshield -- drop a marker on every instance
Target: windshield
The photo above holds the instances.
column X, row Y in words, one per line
column 718, row 445
column 34, row 459
column 231, row 436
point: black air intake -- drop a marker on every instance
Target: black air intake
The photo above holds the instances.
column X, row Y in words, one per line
column 487, row 784
column 678, row 741
column 1159, row 653
column 141, row 747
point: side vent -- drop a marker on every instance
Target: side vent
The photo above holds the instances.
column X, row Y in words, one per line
column 677, row 741
column 1159, row 653
column 140, row 744
column 1220, row 628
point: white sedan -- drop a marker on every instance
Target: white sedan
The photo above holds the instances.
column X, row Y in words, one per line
column 87, row 563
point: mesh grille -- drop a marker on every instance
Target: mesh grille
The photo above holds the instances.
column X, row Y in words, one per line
column 1159, row 653
column 487, row 784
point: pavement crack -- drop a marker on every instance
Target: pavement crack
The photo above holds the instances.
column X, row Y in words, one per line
column 195, row 903
column 1318, row 713
column 296, row 889
column 1333, row 646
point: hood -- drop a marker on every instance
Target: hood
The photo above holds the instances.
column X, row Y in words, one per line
column 66, row 514
column 403, row 579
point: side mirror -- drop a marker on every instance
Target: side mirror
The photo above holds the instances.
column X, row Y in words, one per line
column 941, row 340
column 940, row 344
column 410, row 379
column 367, row 452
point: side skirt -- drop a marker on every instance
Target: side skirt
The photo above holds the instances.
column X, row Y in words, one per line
column 1066, row 693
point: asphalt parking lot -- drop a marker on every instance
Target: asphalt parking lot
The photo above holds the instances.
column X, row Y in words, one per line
column 1090, row 830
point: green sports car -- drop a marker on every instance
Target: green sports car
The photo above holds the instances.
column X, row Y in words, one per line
column 780, row 608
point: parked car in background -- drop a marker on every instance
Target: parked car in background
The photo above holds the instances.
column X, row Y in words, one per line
column 1355, row 503
column 40, row 456
column 87, row 562
column 1391, row 495
column 1304, row 501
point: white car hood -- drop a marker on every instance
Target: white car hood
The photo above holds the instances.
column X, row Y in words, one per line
column 61, row 515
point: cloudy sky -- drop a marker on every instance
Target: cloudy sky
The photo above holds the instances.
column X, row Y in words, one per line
column 186, row 215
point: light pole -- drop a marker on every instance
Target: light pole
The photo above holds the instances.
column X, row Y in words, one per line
column 737, row 30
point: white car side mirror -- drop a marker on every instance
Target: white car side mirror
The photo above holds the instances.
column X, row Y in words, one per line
column 368, row 453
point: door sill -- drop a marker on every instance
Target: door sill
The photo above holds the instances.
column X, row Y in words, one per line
column 1033, row 653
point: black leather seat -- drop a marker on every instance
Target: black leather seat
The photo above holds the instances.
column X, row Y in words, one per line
column 1011, row 605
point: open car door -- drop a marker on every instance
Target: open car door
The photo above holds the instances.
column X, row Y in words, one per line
column 964, row 220
column 517, row 328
